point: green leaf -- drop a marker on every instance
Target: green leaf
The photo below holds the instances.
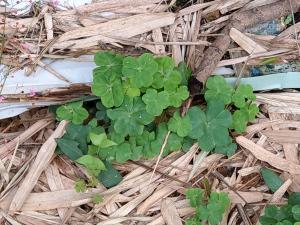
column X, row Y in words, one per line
column 228, row 149
column 80, row 186
column 271, row 211
column 216, row 207
column 174, row 142
column 264, row 220
column 195, row 196
column 130, row 117
column 115, row 137
column 93, row 164
column 109, row 88
column 296, row 212
column 166, row 76
column 180, row 125
column 145, row 140
column 294, row 198
column 240, row 121
column 69, row 148
column 109, row 177
column 243, row 116
column 155, row 102
column 193, row 221
column 73, row 112
column 101, row 113
column 197, row 118
column 96, row 199
column 107, row 63
column 187, row 144
column 272, row 180
column 185, row 72
column 242, row 94
column 79, row 134
column 215, row 126
column 123, row 152
column 177, row 96
column 218, row 89
column 140, row 70
column 93, row 122
column 101, row 140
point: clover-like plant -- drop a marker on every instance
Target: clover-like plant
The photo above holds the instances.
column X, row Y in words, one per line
column 208, row 208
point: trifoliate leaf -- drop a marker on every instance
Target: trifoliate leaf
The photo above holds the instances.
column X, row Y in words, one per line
column 193, row 221
column 272, row 180
column 197, row 118
column 242, row 94
column 109, row 177
column 228, row 149
column 240, row 121
column 177, row 96
column 215, row 126
column 107, row 63
column 180, row 125
column 166, row 76
column 140, row 70
column 93, row 164
column 294, row 198
column 243, row 116
column 217, row 204
column 296, row 212
column 69, row 148
column 80, row 186
column 250, row 111
column 130, row 117
column 73, row 112
column 123, row 152
column 109, row 88
column 187, row 144
column 101, row 112
column 130, row 91
column 145, row 140
column 115, row 137
column 155, row 102
column 218, row 89
column 185, row 72
column 101, row 140
column 96, row 199
column 195, row 196
column 79, row 134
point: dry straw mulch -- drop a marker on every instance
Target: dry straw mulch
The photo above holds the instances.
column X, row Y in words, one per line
column 37, row 186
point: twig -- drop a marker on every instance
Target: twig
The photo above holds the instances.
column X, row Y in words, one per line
column 220, row 177
column 161, row 173
column 160, row 155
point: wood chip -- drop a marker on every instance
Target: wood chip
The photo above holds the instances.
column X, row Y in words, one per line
column 169, row 212
column 283, row 136
column 41, row 162
column 245, row 42
column 266, row 156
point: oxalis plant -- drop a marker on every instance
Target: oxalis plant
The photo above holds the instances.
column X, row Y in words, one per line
column 209, row 207
column 139, row 101
column 288, row 214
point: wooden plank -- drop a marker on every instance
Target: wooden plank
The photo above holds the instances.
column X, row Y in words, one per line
column 41, row 162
